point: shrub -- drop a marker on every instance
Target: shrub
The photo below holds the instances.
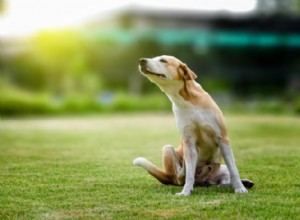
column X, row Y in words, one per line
column 154, row 102
column 297, row 105
column 16, row 102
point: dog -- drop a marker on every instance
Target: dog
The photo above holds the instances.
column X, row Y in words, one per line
column 201, row 124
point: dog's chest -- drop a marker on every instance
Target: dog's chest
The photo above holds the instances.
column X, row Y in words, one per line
column 199, row 124
column 202, row 127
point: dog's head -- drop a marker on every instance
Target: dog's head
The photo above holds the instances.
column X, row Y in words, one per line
column 163, row 70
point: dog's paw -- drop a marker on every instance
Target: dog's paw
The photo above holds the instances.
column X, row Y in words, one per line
column 186, row 191
column 241, row 190
column 139, row 161
column 183, row 194
column 239, row 187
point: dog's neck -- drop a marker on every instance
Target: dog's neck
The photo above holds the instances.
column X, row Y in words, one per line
column 181, row 93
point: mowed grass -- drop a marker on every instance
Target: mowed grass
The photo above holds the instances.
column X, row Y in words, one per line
column 81, row 168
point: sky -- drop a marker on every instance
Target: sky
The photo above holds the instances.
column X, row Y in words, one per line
column 26, row 17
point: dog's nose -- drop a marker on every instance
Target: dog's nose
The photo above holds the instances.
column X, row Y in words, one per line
column 143, row 61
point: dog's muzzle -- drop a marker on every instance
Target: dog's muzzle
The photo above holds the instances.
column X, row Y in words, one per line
column 144, row 69
column 143, row 64
column 143, row 61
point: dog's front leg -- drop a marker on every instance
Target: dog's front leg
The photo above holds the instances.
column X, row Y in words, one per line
column 230, row 162
column 190, row 160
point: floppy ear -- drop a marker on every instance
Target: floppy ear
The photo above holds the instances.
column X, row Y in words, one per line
column 185, row 73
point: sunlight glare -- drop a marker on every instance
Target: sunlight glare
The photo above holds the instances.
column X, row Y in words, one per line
column 24, row 17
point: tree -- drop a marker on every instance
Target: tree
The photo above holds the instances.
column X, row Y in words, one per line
column 278, row 6
column 2, row 6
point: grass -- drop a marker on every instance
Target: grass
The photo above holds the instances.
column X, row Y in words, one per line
column 81, row 168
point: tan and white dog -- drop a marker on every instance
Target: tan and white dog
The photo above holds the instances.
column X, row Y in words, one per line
column 197, row 160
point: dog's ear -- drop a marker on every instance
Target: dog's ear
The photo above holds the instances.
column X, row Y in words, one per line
column 185, row 73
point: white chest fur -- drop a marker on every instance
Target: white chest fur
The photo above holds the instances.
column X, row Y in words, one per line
column 190, row 120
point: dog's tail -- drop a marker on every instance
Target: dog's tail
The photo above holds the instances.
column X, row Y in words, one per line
column 160, row 175
column 247, row 183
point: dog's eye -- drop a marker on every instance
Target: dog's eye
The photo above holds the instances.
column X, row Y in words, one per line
column 163, row 61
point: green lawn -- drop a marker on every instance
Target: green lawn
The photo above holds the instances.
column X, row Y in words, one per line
column 81, row 168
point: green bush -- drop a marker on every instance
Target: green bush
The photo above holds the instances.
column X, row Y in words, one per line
column 154, row 102
column 16, row 102
column 297, row 105
column 274, row 107
column 21, row 105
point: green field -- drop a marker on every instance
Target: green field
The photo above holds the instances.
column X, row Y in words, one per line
column 81, row 168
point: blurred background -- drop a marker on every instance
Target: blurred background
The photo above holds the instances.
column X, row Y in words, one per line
column 63, row 56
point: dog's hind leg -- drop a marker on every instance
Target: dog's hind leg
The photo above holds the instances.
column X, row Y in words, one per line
column 171, row 166
column 152, row 169
column 222, row 178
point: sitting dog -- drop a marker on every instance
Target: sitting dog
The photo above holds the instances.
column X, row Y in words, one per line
column 197, row 160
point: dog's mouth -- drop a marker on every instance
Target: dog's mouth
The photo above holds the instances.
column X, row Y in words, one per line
column 161, row 76
column 147, row 72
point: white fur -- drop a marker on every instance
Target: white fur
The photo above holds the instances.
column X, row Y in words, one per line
column 188, row 120
column 140, row 161
column 156, row 66
column 234, row 174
